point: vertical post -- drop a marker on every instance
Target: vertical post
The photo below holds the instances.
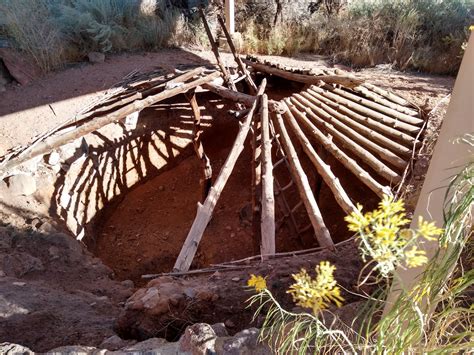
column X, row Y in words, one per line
column 229, row 16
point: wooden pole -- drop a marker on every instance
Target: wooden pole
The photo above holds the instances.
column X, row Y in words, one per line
column 363, row 154
column 350, row 133
column 392, row 122
column 206, row 180
column 204, row 211
column 368, row 132
column 238, row 60
column 268, row 202
column 304, row 189
column 345, row 80
column 54, row 142
column 405, row 139
column 324, row 170
column 342, row 157
column 256, row 181
column 215, row 49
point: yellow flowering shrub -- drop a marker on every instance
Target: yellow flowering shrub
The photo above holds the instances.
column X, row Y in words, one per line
column 385, row 238
column 317, row 293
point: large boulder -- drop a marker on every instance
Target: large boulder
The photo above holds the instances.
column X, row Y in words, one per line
column 21, row 184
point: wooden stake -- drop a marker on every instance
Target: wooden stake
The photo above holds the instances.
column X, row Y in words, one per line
column 204, row 211
column 268, row 201
column 304, row 189
column 54, row 142
column 206, row 181
column 323, row 169
column 238, row 60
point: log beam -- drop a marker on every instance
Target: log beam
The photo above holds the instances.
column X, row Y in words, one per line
column 342, row 157
column 322, row 233
column 268, row 202
column 54, row 142
column 345, row 80
column 206, row 180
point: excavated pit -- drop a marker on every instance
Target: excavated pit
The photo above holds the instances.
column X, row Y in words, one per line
column 141, row 231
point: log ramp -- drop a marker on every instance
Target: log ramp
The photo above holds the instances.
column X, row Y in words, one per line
column 372, row 132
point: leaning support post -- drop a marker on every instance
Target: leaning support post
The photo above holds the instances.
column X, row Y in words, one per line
column 238, row 60
column 215, row 49
column 204, row 211
column 206, row 181
column 268, row 201
column 304, row 189
column 256, row 181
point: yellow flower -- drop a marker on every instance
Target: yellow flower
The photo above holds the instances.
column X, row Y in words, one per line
column 389, row 206
column 316, row 293
column 415, row 257
column 428, row 230
column 257, row 282
column 356, row 220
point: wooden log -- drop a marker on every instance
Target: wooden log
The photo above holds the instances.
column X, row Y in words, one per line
column 358, row 138
column 368, row 132
column 204, row 211
column 363, row 154
column 268, row 202
column 384, row 102
column 215, row 49
column 304, row 189
column 344, row 80
column 406, row 127
column 206, row 180
column 256, row 181
column 387, row 94
column 54, row 142
column 406, row 139
column 247, row 100
column 342, row 157
column 238, row 60
column 324, row 170
column 377, row 107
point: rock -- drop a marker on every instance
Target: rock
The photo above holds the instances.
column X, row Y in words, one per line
column 18, row 264
column 153, row 345
column 47, row 227
column 115, row 342
column 54, row 158
column 229, row 324
column 128, row 283
column 245, row 342
column 21, row 184
column 220, row 329
column 236, row 279
column 75, row 350
column 161, row 188
column 96, row 57
column 198, row 339
column 14, row 349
